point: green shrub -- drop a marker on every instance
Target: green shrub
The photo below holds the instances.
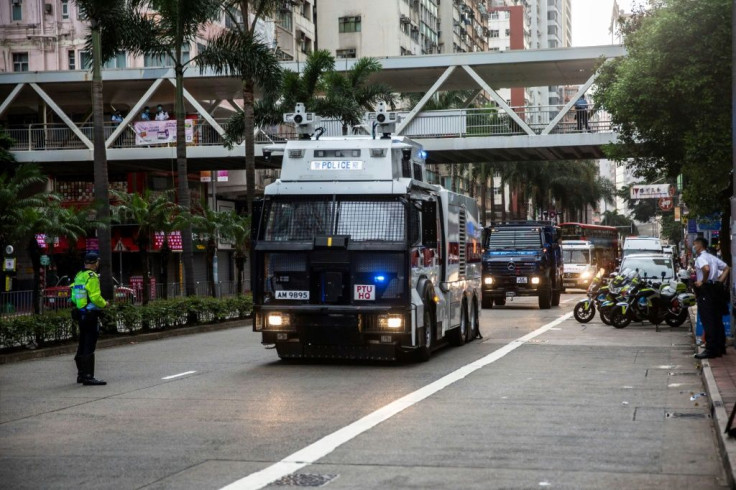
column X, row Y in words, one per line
column 17, row 331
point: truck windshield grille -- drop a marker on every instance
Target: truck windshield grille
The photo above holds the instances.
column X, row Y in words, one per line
column 362, row 220
column 515, row 239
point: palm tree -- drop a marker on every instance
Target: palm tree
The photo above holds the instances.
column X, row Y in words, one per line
column 349, row 95
column 239, row 52
column 107, row 22
column 296, row 87
column 177, row 23
column 210, row 226
column 147, row 211
column 237, row 228
column 26, row 209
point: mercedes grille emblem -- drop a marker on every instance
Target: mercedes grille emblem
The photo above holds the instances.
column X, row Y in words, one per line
column 511, row 266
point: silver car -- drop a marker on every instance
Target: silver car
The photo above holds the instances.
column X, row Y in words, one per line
column 650, row 265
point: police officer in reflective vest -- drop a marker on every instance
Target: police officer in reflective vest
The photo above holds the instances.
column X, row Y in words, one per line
column 88, row 302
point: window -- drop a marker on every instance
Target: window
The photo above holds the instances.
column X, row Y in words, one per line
column 306, row 10
column 85, row 59
column 345, row 53
column 233, row 13
column 72, row 57
column 508, row 32
column 155, row 60
column 494, row 33
column 17, row 12
column 349, row 24
column 20, row 61
column 284, row 19
column 118, row 61
column 65, row 10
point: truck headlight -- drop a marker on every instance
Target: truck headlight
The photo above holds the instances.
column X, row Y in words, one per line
column 277, row 320
column 535, row 280
column 585, row 275
column 391, row 321
column 488, row 280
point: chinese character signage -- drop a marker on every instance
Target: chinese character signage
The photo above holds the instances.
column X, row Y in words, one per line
column 655, row 191
column 174, row 240
column 159, row 132
column 206, row 175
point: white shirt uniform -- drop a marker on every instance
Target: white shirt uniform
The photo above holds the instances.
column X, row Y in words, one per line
column 715, row 264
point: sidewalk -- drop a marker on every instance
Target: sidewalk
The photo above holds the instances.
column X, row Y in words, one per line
column 719, row 377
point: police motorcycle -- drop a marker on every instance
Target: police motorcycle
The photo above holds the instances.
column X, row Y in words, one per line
column 654, row 301
column 610, row 294
column 584, row 310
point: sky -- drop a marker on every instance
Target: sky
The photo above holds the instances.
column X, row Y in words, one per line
column 591, row 20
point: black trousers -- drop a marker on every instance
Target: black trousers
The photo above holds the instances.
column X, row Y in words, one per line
column 711, row 314
column 89, row 331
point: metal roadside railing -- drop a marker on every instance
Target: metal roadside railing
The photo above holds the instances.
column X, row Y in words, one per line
column 451, row 123
column 20, row 303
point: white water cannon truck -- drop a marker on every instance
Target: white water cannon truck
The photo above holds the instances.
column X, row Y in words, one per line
column 356, row 255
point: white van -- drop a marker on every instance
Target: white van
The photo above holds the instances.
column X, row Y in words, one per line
column 642, row 244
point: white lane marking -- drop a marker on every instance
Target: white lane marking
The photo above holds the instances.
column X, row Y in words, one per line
column 179, row 375
column 329, row 443
column 571, row 299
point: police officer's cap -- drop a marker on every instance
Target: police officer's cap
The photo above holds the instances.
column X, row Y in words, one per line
column 91, row 257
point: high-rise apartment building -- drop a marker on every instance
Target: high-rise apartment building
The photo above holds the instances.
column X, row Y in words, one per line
column 356, row 28
column 47, row 35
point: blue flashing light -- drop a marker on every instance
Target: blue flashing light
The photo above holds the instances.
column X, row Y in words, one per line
column 422, row 154
column 379, row 279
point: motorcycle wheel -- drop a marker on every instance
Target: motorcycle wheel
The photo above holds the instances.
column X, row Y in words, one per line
column 582, row 315
column 605, row 317
column 678, row 320
column 619, row 319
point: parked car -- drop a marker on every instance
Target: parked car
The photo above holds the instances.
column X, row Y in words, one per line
column 650, row 265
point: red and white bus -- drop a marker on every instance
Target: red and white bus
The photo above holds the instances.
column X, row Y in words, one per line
column 603, row 238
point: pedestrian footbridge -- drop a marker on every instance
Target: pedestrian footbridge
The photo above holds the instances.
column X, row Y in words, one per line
column 48, row 113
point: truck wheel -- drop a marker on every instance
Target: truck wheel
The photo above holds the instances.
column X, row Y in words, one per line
column 457, row 335
column 500, row 301
column 425, row 350
column 474, row 324
column 556, row 298
column 545, row 298
column 486, row 302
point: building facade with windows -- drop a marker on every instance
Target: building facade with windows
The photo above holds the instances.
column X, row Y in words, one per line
column 348, row 29
column 49, row 35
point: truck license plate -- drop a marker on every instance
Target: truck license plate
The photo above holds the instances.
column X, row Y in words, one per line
column 521, row 280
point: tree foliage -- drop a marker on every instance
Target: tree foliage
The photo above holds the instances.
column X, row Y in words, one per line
column 670, row 97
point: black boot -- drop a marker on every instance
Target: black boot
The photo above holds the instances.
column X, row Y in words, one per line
column 80, row 369
column 89, row 376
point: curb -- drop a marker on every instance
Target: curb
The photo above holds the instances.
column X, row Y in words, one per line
column 726, row 444
column 104, row 343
